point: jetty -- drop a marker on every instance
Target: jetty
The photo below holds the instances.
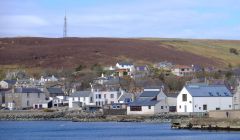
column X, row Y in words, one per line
column 206, row 124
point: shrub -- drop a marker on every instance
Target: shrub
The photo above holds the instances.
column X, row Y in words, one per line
column 234, row 51
column 79, row 68
column 48, row 110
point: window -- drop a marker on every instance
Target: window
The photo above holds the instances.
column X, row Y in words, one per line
column 96, row 96
column 112, row 95
column 105, row 96
column 184, row 97
column 180, row 106
column 195, row 106
column 149, row 107
column 135, row 108
column 217, row 108
column 28, row 95
column 27, row 103
column 199, row 108
column 99, row 96
column 204, row 107
column 91, row 99
column 230, row 106
column 166, row 106
column 161, row 107
column 38, row 95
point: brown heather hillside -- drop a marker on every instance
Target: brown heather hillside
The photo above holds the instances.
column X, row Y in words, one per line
column 70, row 52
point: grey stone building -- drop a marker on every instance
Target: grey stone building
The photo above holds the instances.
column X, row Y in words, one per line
column 21, row 98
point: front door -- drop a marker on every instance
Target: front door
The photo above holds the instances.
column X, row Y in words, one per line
column 185, row 108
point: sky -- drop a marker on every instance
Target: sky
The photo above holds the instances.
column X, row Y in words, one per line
column 206, row 19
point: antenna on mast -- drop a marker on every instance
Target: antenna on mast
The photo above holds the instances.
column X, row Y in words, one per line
column 65, row 26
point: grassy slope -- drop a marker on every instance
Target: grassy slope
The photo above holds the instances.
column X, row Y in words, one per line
column 216, row 49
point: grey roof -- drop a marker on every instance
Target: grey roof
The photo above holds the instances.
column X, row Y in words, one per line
column 144, row 102
column 208, row 91
column 149, row 93
column 125, row 63
column 171, row 94
column 81, row 94
column 27, row 90
column 12, row 82
column 55, row 90
column 124, row 96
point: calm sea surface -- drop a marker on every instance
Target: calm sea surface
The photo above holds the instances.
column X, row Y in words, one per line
column 66, row 130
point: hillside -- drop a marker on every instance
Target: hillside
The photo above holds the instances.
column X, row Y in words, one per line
column 214, row 49
column 71, row 52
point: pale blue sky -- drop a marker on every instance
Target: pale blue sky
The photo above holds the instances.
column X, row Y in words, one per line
column 214, row 19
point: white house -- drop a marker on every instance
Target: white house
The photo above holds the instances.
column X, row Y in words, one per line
column 203, row 98
column 151, row 101
column 236, row 97
column 5, row 84
column 182, row 70
column 48, row 79
column 102, row 98
column 126, row 65
column 81, row 99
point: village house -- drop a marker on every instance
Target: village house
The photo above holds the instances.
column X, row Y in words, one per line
column 7, row 84
column 21, row 98
column 123, row 72
column 48, row 79
column 102, row 98
column 165, row 65
column 203, row 98
column 172, row 101
column 54, row 92
column 236, row 97
column 141, row 71
column 182, row 70
column 126, row 65
column 150, row 102
column 43, row 104
column 2, row 96
column 81, row 99
column 101, row 80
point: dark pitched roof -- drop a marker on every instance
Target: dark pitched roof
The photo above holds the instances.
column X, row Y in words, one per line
column 149, row 94
column 12, row 82
column 81, row 94
column 144, row 102
column 55, row 90
column 125, row 63
column 208, row 90
column 27, row 90
column 171, row 94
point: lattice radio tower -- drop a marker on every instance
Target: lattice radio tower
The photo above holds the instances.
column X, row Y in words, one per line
column 65, row 26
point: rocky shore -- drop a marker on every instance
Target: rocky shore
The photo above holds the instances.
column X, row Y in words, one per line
column 206, row 124
column 80, row 116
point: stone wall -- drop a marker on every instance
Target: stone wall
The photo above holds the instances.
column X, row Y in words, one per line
column 115, row 111
column 221, row 114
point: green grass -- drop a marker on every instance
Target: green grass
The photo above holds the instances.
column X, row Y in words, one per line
column 214, row 49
